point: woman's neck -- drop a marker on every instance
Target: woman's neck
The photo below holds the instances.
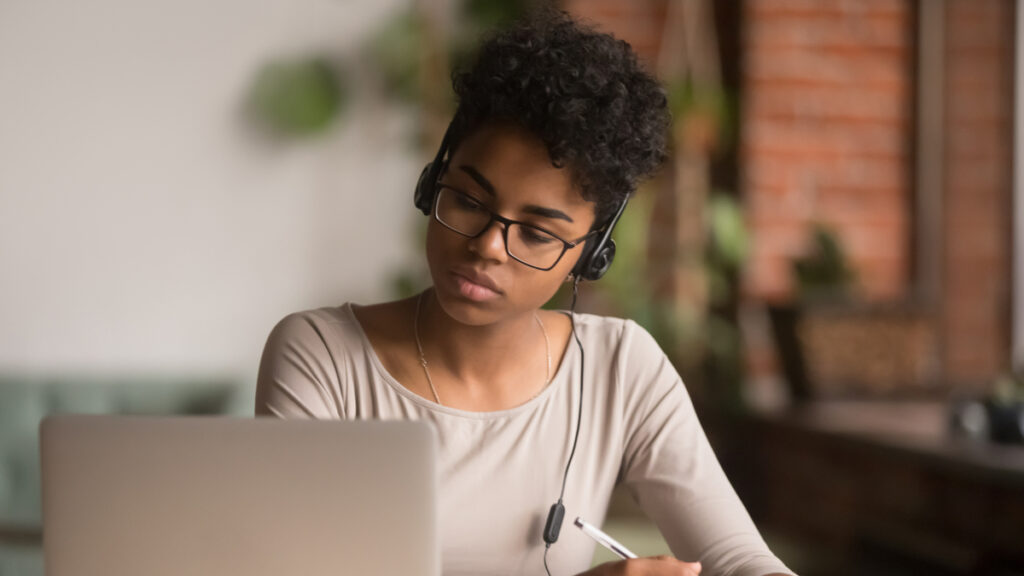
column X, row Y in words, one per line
column 501, row 360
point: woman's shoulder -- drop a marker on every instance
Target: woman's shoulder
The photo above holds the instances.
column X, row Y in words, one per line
column 300, row 362
column 613, row 331
column 329, row 333
column 304, row 323
column 601, row 322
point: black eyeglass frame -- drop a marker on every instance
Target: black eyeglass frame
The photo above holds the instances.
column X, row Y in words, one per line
column 566, row 245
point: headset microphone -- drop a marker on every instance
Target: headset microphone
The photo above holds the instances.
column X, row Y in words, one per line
column 554, row 524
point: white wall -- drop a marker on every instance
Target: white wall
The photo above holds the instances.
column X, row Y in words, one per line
column 144, row 226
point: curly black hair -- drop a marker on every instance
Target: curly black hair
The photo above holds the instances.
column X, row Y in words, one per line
column 583, row 92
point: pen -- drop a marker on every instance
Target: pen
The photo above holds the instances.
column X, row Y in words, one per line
column 603, row 539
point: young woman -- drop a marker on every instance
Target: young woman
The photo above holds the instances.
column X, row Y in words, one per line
column 555, row 126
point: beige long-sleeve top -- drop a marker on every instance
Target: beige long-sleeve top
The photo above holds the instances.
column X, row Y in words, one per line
column 501, row 471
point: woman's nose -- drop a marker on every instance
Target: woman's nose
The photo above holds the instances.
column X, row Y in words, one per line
column 490, row 244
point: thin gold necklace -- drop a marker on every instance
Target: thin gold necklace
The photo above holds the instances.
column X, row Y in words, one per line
column 423, row 358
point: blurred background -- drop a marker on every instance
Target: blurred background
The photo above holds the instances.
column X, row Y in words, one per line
column 832, row 257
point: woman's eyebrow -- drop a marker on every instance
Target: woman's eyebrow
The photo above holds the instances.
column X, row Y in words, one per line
column 479, row 178
column 531, row 209
column 547, row 212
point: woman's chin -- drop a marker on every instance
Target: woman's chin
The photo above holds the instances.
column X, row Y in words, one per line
column 467, row 310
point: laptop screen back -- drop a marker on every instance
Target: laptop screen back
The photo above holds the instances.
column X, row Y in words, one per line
column 124, row 496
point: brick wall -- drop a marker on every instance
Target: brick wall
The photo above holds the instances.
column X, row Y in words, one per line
column 977, row 211
column 825, row 131
column 827, row 126
column 827, row 136
column 639, row 22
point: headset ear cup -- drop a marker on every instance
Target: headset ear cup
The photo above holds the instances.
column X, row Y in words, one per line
column 601, row 262
column 583, row 264
column 424, row 195
column 426, row 186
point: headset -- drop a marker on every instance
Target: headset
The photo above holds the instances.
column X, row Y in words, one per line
column 597, row 256
column 592, row 265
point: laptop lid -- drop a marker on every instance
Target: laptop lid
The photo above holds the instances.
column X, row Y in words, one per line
column 124, row 496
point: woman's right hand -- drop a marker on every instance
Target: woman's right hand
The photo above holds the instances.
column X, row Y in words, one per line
column 653, row 566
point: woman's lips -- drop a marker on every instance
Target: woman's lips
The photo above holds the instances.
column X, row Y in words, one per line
column 473, row 290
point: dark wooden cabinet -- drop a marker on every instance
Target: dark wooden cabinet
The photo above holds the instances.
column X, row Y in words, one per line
column 879, row 488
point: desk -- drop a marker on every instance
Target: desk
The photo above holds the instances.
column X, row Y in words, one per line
column 884, row 488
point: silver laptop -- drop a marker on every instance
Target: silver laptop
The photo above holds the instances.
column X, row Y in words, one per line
column 126, row 496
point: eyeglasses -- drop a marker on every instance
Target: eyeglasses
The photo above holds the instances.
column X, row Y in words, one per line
column 526, row 243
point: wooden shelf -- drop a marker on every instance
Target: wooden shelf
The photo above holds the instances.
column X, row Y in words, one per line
column 864, row 479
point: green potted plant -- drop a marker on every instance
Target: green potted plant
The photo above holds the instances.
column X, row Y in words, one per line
column 823, row 274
